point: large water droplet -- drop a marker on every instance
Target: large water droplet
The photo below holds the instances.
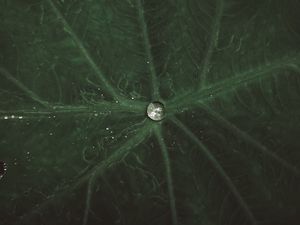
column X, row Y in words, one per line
column 156, row 111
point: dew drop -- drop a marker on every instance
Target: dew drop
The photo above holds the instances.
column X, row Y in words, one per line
column 156, row 111
column 3, row 168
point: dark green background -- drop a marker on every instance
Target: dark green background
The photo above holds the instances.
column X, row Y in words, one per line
column 76, row 77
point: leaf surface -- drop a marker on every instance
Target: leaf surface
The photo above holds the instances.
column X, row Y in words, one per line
column 76, row 77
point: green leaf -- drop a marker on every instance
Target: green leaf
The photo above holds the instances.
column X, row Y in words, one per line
column 76, row 77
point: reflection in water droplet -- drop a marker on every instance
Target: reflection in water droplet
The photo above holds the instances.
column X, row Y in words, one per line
column 156, row 111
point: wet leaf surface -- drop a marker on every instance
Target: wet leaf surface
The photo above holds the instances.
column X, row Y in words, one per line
column 80, row 147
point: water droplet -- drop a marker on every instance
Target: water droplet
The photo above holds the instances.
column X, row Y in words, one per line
column 28, row 156
column 3, row 168
column 156, row 111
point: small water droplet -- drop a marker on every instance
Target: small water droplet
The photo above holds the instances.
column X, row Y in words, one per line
column 28, row 156
column 3, row 168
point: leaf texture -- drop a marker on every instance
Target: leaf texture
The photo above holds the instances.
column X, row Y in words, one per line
column 76, row 77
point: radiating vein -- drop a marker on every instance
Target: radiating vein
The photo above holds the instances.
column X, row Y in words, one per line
column 189, row 100
column 147, row 45
column 103, row 106
column 218, row 168
column 212, row 42
column 89, row 194
column 85, row 52
column 167, row 163
column 25, row 89
column 100, row 110
column 97, row 170
column 247, row 138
